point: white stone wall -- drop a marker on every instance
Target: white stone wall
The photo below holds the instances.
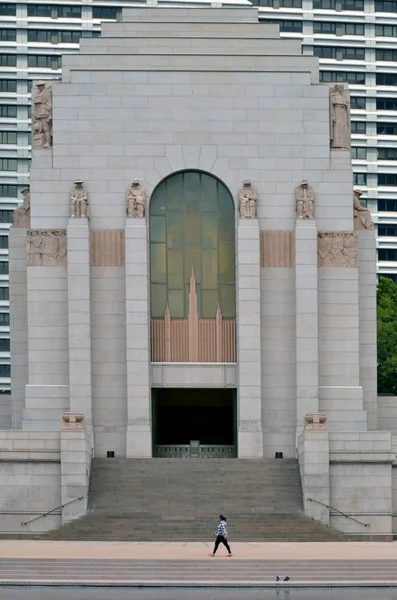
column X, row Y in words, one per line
column 109, row 379
column 30, row 480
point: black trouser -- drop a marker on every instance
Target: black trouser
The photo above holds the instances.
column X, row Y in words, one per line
column 219, row 539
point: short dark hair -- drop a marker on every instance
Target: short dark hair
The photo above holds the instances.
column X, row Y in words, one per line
column 222, row 518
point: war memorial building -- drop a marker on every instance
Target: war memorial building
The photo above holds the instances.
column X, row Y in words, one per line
column 191, row 274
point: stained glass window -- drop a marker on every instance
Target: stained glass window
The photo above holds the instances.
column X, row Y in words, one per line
column 192, row 227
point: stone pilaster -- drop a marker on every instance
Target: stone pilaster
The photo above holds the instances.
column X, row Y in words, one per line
column 79, row 320
column 250, row 436
column 306, row 290
column 18, row 322
column 367, row 312
column 139, row 433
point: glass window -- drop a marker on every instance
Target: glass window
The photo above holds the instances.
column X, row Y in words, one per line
column 324, row 4
column 8, row 85
column 6, row 216
column 387, row 179
column 69, row 12
column 44, row 61
column 385, row 6
column 8, row 35
column 387, row 204
column 8, row 164
column 392, row 276
column 387, row 230
column 324, row 27
column 8, row 191
column 360, row 178
column 289, row 26
column 5, row 370
column 387, row 154
column 386, row 79
column 352, row 4
column 359, row 153
column 339, row 53
column 8, row 9
column 4, row 293
column 104, row 12
column 3, row 267
column 192, row 230
column 358, row 127
column 349, row 77
column 386, row 55
column 386, row 104
column 386, row 30
column 386, row 128
column 8, row 111
column 4, row 345
column 3, row 242
column 387, row 254
column 8, row 137
column 8, row 60
column 358, row 102
column 39, row 10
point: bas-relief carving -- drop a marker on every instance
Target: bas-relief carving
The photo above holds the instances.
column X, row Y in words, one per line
column 277, row 248
column 362, row 216
column 72, row 421
column 304, row 195
column 47, row 248
column 22, row 214
column 247, row 198
column 337, row 249
column 317, row 421
column 340, row 117
column 136, row 200
column 42, row 116
column 79, row 201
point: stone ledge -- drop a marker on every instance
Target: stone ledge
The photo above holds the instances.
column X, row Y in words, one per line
column 344, row 456
column 30, row 455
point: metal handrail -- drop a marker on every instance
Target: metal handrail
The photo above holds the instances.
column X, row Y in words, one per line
column 51, row 511
column 339, row 512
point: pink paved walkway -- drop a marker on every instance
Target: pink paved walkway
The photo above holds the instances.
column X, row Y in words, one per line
column 198, row 550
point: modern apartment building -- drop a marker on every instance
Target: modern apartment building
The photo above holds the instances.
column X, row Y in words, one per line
column 355, row 40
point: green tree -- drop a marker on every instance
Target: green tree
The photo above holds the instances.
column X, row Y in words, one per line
column 387, row 335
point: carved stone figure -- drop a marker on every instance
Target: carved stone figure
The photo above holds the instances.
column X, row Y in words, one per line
column 337, row 249
column 42, row 116
column 47, row 248
column 247, row 198
column 79, row 200
column 136, row 200
column 304, row 194
column 362, row 216
column 340, row 117
column 22, row 214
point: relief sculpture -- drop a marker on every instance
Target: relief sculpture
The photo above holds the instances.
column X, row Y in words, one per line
column 304, row 195
column 247, row 198
column 47, row 248
column 42, row 116
column 22, row 214
column 136, row 200
column 340, row 117
column 337, row 249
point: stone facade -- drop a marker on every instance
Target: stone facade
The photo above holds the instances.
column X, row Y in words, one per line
column 247, row 108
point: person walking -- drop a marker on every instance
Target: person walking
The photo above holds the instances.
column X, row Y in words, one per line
column 221, row 536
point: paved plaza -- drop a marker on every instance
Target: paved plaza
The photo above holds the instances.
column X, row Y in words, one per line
column 173, row 565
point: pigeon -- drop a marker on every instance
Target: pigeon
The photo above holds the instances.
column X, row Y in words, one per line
column 286, row 578
column 277, row 578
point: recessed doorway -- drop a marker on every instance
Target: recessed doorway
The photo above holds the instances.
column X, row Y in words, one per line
column 204, row 416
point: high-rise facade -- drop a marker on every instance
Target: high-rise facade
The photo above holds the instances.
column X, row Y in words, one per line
column 355, row 40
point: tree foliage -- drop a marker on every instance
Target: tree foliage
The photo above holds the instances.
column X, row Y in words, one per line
column 387, row 335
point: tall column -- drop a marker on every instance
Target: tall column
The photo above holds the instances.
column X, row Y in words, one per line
column 18, row 322
column 250, row 436
column 139, row 432
column 79, row 318
column 306, row 290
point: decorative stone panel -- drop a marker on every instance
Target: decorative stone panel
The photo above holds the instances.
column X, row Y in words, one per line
column 47, row 248
column 107, row 248
column 337, row 249
column 277, row 249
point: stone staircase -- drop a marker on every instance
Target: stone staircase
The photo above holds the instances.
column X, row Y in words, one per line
column 180, row 500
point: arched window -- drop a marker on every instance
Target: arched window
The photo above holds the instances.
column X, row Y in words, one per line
column 192, row 231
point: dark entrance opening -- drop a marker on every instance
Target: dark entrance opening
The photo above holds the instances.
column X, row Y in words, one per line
column 181, row 416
